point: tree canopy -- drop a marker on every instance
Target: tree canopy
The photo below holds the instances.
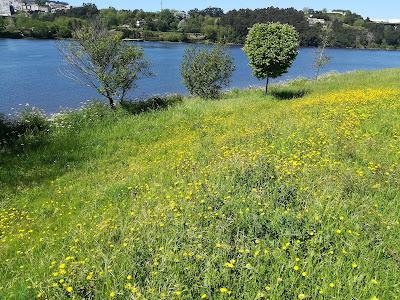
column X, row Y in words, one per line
column 271, row 49
column 104, row 62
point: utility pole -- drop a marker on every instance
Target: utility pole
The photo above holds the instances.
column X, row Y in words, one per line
column 161, row 5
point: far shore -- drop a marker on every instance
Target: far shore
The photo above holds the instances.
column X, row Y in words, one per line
column 191, row 42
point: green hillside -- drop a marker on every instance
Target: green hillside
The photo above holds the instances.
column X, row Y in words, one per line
column 293, row 196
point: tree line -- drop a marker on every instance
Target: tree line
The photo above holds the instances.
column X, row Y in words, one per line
column 349, row 30
column 111, row 66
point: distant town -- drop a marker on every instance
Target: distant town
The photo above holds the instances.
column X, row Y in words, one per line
column 9, row 8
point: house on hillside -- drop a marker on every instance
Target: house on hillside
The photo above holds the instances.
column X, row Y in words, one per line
column 6, row 9
column 32, row 7
column 339, row 12
column 58, row 6
column 392, row 22
column 140, row 23
column 314, row 21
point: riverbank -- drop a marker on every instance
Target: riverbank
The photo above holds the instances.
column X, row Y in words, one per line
column 177, row 39
column 293, row 195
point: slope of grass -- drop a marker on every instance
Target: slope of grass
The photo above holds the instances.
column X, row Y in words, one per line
column 293, row 196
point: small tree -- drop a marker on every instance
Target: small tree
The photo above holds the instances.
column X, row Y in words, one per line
column 271, row 49
column 321, row 59
column 206, row 71
column 103, row 61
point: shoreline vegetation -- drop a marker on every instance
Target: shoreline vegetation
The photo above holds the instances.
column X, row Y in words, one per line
column 211, row 25
column 194, row 42
column 290, row 195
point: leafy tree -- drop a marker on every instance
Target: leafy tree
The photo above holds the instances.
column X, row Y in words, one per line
column 87, row 10
column 103, row 61
column 392, row 36
column 206, row 71
column 243, row 19
column 211, row 32
column 214, row 12
column 321, row 59
column 167, row 20
column 271, row 49
column 193, row 24
column 109, row 17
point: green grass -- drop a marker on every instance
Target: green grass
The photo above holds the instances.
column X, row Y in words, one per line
column 294, row 195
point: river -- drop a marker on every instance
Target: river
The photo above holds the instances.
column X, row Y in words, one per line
column 31, row 72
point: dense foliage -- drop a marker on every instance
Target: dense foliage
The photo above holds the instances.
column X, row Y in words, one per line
column 271, row 49
column 206, row 71
column 212, row 24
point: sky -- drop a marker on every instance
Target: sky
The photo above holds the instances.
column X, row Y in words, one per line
column 383, row 9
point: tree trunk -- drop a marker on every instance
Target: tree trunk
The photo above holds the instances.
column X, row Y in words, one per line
column 316, row 76
column 266, row 86
column 112, row 104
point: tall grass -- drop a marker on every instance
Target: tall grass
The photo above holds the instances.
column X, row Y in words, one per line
column 293, row 196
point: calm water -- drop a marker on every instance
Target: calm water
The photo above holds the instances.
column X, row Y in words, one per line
column 30, row 72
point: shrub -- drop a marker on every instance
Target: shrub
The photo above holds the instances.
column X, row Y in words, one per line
column 206, row 71
column 153, row 103
column 105, row 62
column 271, row 49
column 174, row 37
column 28, row 122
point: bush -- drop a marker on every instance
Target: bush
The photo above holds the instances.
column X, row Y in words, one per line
column 271, row 49
column 153, row 103
column 206, row 71
column 104, row 62
column 29, row 122
column 174, row 37
column 88, row 115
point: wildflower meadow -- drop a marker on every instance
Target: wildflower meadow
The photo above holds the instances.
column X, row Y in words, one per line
column 294, row 195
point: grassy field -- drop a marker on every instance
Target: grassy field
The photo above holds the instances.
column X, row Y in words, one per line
column 291, row 196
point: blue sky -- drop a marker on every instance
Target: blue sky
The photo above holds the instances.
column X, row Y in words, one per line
column 384, row 9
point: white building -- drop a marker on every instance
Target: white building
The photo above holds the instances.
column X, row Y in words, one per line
column 314, row 21
column 27, row 7
column 58, row 6
column 339, row 12
column 140, row 23
column 5, row 8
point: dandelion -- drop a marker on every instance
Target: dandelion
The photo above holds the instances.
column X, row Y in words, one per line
column 203, row 296
column 224, row 290
column 178, row 293
column 230, row 264
column 129, row 277
column 112, row 295
column 332, row 285
column 374, row 281
column 70, row 289
column 296, row 267
column 304, row 274
column 354, row 265
column 301, row 296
